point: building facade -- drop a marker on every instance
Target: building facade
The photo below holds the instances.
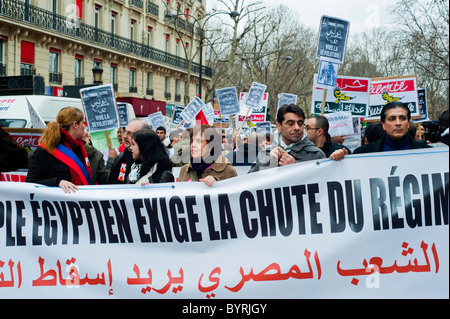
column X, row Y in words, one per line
column 148, row 49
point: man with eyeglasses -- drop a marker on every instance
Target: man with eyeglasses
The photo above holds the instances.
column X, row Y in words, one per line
column 317, row 132
column 122, row 164
column 290, row 145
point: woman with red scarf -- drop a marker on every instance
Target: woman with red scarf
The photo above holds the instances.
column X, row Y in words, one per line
column 61, row 159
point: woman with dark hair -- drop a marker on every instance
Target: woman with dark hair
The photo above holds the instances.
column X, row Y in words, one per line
column 61, row 159
column 151, row 162
column 207, row 163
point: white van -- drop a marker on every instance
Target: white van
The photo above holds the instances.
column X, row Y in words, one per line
column 14, row 109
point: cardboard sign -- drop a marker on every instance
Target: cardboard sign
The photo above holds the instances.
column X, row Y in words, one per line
column 333, row 34
column 286, row 98
column 123, row 113
column 255, row 95
column 423, row 108
column 392, row 89
column 156, row 119
column 192, row 110
column 328, row 73
column 100, row 107
column 349, row 94
column 258, row 114
column 228, row 101
column 341, row 123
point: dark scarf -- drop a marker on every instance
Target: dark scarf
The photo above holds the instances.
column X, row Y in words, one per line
column 76, row 146
column 199, row 168
column 396, row 145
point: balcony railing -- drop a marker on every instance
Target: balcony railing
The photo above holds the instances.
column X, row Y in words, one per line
column 55, row 78
column 2, row 69
column 152, row 8
column 38, row 17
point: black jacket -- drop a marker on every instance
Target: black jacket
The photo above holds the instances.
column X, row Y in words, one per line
column 12, row 155
column 329, row 147
column 124, row 159
column 379, row 145
column 46, row 169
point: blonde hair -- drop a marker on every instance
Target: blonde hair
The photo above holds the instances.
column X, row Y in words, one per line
column 64, row 119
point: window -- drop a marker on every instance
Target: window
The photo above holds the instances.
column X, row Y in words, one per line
column 177, row 46
column 113, row 22
column 132, row 30
column 54, row 61
column 149, row 36
column 133, row 88
column 167, row 42
column 79, row 73
column 26, row 58
column 149, row 83
column 177, row 91
column 167, row 88
column 97, row 16
column 113, row 75
column 3, row 55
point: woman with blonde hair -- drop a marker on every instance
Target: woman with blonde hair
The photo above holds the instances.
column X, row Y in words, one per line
column 61, row 159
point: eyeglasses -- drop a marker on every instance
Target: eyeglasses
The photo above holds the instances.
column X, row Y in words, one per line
column 307, row 127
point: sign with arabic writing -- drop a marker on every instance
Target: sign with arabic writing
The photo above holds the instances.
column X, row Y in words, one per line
column 228, row 101
column 192, row 109
column 350, row 94
column 100, row 107
column 393, row 89
column 345, row 231
column 333, row 34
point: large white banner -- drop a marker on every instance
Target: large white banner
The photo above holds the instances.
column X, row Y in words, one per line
column 370, row 226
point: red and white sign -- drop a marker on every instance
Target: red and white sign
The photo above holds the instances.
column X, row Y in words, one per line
column 386, row 90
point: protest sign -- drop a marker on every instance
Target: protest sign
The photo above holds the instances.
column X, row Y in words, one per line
column 393, row 89
column 123, row 113
column 25, row 137
column 341, row 123
column 156, row 119
column 258, row 114
column 255, row 95
column 423, row 108
column 178, row 109
column 100, row 107
column 192, row 109
column 286, row 98
column 350, row 94
column 36, row 119
column 328, row 72
column 333, row 34
column 228, row 101
column 208, row 111
column 340, row 231
column 263, row 128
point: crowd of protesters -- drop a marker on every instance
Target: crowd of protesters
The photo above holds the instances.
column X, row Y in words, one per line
column 66, row 158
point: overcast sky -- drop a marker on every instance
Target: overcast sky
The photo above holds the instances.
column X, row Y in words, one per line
column 362, row 14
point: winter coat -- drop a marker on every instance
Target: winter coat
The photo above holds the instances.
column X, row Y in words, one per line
column 379, row 145
column 220, row 170
column 303, row 151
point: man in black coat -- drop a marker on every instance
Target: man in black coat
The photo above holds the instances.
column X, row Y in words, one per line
column 395, row 119
column 122, row 164
column 317, row 132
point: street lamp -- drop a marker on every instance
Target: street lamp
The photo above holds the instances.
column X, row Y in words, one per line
column 97, row 71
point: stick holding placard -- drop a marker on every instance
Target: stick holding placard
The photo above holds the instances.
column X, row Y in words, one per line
column 324, row 101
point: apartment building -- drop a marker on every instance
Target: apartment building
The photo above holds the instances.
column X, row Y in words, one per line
column 143, row 47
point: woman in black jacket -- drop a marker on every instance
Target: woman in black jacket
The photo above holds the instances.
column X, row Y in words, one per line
column 61, row 159
column 151, row 162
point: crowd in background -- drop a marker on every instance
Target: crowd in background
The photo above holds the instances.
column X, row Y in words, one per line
column 67, row 158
